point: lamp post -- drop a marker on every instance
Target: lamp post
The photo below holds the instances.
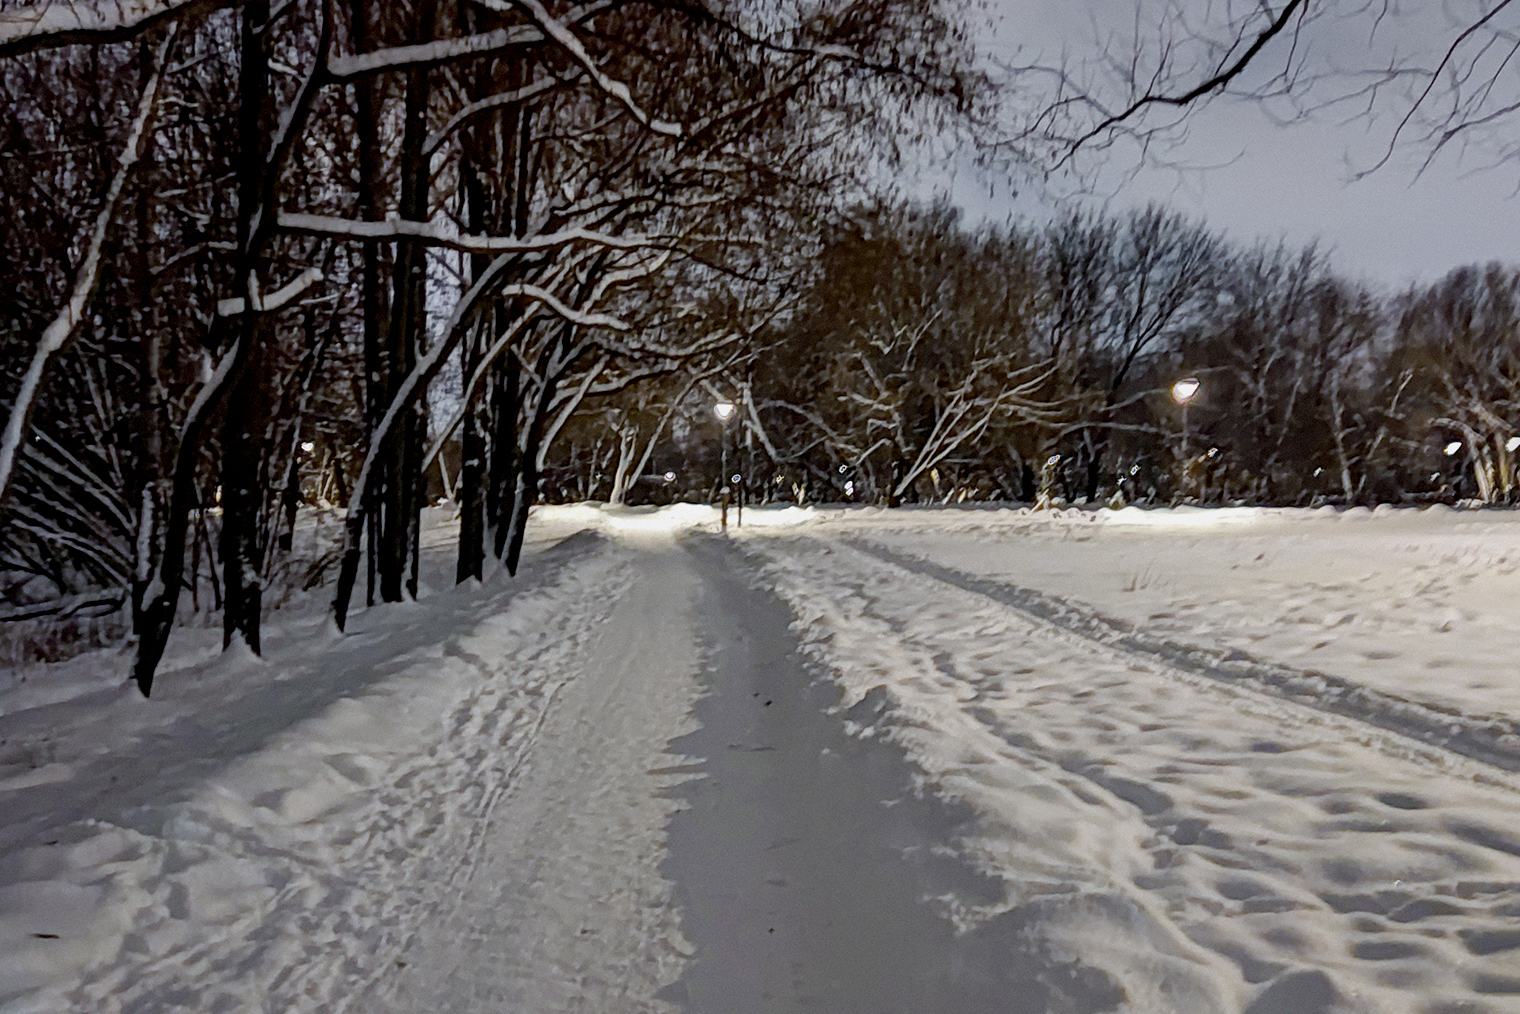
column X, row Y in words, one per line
column 1183, row 392
column 723, row 411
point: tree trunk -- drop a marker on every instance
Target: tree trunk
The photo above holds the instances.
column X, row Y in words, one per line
column 368, row 100
column 502, row 492
column 402, row 501
column 472, row 550
column 243, row 450
column 243, row 436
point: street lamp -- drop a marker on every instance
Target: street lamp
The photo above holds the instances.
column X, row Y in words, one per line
column 1183, row 392
column 723, row 411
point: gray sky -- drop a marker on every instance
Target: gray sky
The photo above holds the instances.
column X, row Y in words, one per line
column 1291, row 181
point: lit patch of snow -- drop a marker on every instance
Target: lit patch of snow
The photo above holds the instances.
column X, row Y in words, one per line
column 672, row 517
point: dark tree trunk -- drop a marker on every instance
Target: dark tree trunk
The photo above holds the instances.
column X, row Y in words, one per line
column 243, row 429
column 368, row 100
column 472, row 549
column 525, row 489
column 474, row 163
column 501, row 495
column 402, row 500
column 243, row 451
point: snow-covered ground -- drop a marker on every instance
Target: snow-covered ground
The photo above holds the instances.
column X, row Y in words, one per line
column 1224, row 760
column 1194, row 834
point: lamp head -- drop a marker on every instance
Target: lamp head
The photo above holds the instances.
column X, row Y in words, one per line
column 1185, row 390
column 725, row 410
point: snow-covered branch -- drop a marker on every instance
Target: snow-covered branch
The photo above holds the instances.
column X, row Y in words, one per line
column 62, row 327
column 396, row 58
column 443, row 234
column 507, row 98
column 63, row 22
column 277, row 299
column 565, row 38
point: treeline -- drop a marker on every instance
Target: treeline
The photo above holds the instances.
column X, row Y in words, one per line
column 262, row 251
column 929, row 362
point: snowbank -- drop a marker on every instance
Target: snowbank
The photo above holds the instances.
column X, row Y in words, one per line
column 267, row 834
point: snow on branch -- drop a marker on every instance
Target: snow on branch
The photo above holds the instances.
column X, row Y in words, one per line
column 485, row 105
column 561, row 34
column 61, row 22
column 63, row 326
column 445, row 235
column 276, row 299
column 394, row 58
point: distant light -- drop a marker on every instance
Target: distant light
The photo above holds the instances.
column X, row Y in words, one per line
column 1213, row 452
column 735, row 478
column 1185, row 390
column 849, row 488
column 1453, row 447
column 670, row 476
column 1512, row 444
column 1134, row 470
column 308, row 446
column 1053, row 460
column 725, row 410
column 1317, row 472
column 843, row 469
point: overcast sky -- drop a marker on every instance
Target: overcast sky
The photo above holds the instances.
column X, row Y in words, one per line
column 1290, row 181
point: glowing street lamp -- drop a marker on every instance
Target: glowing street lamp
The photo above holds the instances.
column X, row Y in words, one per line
column 1452, row 448
column 1512, row 444
column 1183, row 392
column 724, row 411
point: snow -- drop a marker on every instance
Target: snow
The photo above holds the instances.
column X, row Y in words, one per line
column 1166, row 725
column 268, row 832
column 1424, row 604
column 1191, row 838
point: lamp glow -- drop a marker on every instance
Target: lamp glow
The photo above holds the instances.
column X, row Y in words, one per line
column 1453, row 447
column 725, row 410
column 1185, row 390
column 1512, row 444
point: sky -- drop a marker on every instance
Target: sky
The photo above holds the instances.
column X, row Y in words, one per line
column 1255, row 178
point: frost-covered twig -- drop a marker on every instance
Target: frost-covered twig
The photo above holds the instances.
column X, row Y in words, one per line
column 63, row 326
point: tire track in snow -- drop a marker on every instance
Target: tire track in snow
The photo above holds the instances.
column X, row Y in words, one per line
column 1490, row 739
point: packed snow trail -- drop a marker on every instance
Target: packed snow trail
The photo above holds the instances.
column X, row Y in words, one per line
column 810, row 871
column 564, row 908
column 798, row 862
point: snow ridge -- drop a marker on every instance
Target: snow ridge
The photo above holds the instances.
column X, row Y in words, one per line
column 1491, row 739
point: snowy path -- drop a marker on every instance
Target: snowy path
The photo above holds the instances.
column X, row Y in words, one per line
column 565, row 909
column 846, row 767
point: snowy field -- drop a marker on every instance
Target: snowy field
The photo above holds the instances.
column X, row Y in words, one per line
column 1221, row 761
